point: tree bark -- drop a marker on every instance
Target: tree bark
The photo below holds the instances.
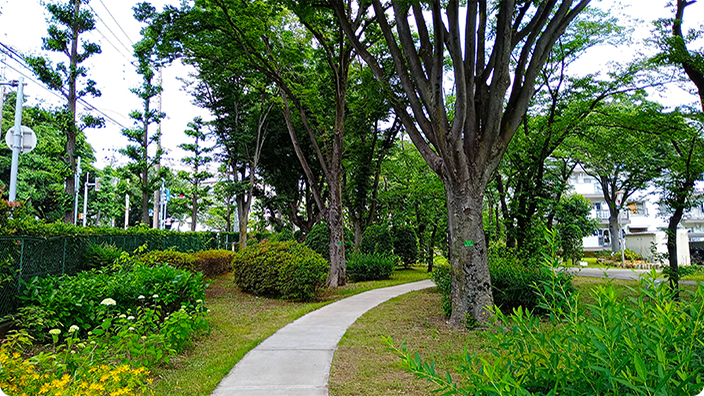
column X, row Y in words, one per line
column 471, row 283
column 672, row 249
column 243, row 206
column 71, row 132
column 615, row 232
column 338, row 270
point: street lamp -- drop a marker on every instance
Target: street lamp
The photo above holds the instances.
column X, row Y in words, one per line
column 15, row 139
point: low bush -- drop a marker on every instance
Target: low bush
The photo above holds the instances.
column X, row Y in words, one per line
column 62, row 301
column 214, row 262
column 184, row 261
column 376, row 239
column 405, row 245
column 631, row 255
column 318, row 239
column 643, row 345
column 99, row 256
column 109, row 360
column 365, row 267
column 512, row 282
column 287, row 270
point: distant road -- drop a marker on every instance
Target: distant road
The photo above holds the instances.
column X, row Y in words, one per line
column 614, row 273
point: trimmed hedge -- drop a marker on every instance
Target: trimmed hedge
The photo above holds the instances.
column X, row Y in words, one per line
column 288, row 270
column 185, row 261
column 376, row 239
column 214, row 262
column 364, row 267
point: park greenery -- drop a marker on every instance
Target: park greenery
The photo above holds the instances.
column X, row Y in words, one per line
column 347, row 140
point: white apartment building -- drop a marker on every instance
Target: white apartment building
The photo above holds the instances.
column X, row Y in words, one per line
column 641, row 222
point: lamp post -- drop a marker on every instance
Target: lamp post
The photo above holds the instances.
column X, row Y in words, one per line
column 621, row 236
column 16, row 139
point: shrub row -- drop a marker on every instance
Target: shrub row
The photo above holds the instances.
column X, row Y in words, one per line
column 513, row 283
column 366, row 267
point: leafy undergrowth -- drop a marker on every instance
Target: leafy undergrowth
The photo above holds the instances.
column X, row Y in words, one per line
column 363, row 366
column 239, row 322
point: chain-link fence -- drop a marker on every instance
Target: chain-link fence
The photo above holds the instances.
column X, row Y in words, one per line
column 22, row 258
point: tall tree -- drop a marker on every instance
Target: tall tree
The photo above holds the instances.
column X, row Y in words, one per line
column 370, row 138
column 199, row 159
column 492, row 69
column 68, row 22
column 241, row 102
column 675, row 46
column 621, row 158
column 306, row 55
column 142, row 163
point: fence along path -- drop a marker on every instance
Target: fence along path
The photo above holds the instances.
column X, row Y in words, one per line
column 23, row 258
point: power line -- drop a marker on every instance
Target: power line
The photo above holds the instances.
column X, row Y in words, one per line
column 110, row 30
column 117, row 23
column 113, row 45
column 83, row 101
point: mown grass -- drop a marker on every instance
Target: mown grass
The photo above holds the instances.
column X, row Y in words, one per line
column 363, row 366
column 240, row 322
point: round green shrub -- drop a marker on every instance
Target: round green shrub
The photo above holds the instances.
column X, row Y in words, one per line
column 406, row 245
column 376, row 239
column 288, row 270
column 364, row 267
column 185, row 261
column 214, row 262
column 318, row 239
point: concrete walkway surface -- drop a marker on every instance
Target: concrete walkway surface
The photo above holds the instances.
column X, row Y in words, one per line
column 615, row 273
column 296, row 360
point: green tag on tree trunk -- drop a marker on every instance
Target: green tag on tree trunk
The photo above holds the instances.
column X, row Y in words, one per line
column 339, row 243
column 469, row 243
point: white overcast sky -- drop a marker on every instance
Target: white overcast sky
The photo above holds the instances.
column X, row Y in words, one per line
column 23, row 24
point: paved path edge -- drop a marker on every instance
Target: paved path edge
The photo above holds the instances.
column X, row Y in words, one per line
column 296, row 360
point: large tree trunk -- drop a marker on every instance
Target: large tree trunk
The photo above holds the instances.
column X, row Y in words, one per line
column 471, row 283
column 614, row 231
column 243, row 217
column 672, row 249
column 338, row 267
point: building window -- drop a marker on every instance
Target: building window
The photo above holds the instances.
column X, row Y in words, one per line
column 636, row 208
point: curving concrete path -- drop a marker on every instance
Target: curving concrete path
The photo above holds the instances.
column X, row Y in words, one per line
column 615, row 273
column 296, row 360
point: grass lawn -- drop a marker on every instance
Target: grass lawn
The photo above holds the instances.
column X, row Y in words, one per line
column 240, row 321
column 363, row 366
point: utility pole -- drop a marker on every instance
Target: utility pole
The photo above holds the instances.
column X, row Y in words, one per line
column 16, row 141
column 127, row 207
column 76, row 177
column 156, row 221
column 85, row 196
